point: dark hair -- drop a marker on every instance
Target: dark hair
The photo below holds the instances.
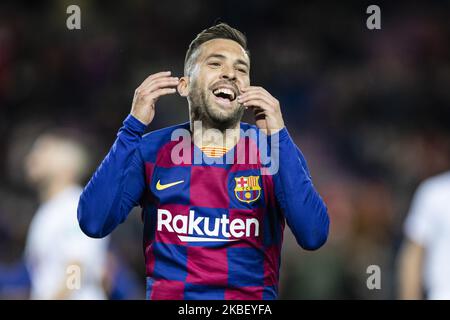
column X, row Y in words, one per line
column 218, row 31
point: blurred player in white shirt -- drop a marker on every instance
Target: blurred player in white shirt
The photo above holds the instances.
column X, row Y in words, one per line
column 57, row 250
column 425, row 257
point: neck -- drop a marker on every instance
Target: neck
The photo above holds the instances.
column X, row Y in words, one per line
column 206, row 134
column 51, row 189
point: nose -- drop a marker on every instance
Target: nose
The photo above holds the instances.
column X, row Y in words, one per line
column 228, row 73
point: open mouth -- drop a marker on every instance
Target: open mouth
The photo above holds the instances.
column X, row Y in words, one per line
column 225, row 93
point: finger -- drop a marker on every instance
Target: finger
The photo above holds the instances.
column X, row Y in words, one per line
column 258, row 91
column 258, row 113
column 255, row 95
column 260, row 116
column 155, row 76
column 254, row 88
column 162, row 92
column 160, row 83
column 258, row 103
column 152, row 86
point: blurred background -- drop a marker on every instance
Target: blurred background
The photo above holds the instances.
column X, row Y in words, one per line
column 370, row 110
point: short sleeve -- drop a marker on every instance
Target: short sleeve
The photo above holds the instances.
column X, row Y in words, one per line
column 419, row 225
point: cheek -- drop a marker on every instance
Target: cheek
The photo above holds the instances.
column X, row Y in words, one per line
column 244, row 81
column 200, row 81
column 207, row 79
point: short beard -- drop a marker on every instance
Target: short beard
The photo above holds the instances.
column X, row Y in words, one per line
column 199, row 110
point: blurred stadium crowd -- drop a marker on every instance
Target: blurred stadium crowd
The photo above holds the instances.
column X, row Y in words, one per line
column 369, row 109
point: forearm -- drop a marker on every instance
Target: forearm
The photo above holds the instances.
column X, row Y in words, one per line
column 105, row 202
column 304, row 209
column 410, row 271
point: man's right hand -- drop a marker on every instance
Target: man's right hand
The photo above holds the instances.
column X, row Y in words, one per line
column 146, row 95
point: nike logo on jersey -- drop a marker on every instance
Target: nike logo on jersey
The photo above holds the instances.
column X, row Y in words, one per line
column 160, row 186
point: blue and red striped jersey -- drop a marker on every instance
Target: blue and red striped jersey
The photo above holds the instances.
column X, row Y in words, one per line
column 213, row 229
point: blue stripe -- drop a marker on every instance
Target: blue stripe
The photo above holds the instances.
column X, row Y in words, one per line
column 149, row 288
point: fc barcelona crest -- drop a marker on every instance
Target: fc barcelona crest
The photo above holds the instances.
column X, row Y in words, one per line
column 247, row 189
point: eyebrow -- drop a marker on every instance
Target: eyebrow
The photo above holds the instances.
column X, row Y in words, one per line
column 221, row 56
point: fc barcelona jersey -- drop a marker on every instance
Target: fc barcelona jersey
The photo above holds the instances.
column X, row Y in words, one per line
column 213, row 226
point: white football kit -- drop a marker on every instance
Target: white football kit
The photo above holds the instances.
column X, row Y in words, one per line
column 57, row 251
column 428, row 224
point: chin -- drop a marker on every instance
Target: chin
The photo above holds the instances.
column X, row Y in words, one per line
column 225, row 118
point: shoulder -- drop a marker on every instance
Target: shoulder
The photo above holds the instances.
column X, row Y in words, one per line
column 164, row 133
column 429, row 203
column 250, row 131
column 436, row 185
column 434, row 190
column 247, row 126
column 155, row 140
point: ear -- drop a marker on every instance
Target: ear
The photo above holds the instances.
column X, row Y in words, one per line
column 183, row 86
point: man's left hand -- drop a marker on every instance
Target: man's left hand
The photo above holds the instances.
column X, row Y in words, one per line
column 265, row 107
